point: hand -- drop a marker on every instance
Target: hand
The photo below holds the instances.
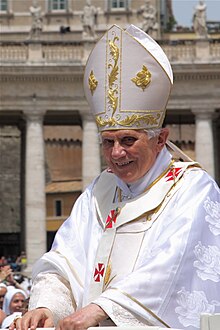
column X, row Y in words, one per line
column 36, row 318
column 5, row 272
column 88, row 316
column 2, row 316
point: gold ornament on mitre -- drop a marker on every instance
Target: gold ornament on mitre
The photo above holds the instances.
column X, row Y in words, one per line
column 127, row 80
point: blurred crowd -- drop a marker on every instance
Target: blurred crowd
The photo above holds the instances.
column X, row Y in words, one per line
column 17, row 263
column 14, row 289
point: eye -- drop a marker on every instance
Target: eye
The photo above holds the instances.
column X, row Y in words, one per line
column 128, row 140
column 107, row 143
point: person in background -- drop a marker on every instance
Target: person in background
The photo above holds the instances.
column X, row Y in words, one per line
column 21, row 261
column 7, row 276
column 13, row 305
column 142, row 243
column 5, row 271
column 3, row 261
column 2, row 316
column 3, row 291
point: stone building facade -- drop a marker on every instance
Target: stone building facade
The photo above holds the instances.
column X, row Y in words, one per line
column 44, row 117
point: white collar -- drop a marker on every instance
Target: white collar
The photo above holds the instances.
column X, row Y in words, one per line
column 136, row 188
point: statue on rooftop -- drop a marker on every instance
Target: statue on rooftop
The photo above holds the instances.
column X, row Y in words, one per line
column 89, row 18
column 37, row 21
column 199, row 20
column 148, row 12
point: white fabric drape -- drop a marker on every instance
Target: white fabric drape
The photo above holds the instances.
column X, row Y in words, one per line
column 176, row 275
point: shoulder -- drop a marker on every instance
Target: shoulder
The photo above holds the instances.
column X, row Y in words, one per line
column 199, row 176
column 197, row 186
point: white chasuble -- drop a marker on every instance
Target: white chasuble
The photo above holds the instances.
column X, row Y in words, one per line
column 150, row 260
column 125, row 224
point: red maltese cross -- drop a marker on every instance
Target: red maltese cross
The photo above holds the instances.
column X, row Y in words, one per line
column 111, row 218
column 99, row 272
column 172, row 174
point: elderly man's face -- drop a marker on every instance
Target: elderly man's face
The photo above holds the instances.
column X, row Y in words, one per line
column 130, row 153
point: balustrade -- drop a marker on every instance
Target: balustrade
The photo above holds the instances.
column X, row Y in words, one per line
column 180, row 52
column 74, row 52
column 62, row 53
column 215, row 50
column 13, row 52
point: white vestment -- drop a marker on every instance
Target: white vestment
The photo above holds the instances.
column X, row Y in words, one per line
column 160, row 267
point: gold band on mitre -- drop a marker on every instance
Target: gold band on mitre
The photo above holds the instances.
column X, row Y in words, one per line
column 127, row 80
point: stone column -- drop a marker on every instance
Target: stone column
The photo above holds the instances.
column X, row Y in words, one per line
column 35, row 201
column 204, row 147
column 91, row 162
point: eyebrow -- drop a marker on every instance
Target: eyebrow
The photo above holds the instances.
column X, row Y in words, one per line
column 103, row 137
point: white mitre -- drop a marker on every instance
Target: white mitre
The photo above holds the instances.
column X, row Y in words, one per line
column 127, row 80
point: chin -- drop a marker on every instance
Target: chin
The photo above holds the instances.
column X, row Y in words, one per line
column 126, row 179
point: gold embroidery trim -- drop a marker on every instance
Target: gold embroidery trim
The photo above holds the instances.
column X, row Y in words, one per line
column 71, row 267
column 143, row 78
column 129, row 121
column 113, row 75
column 155, row 181
column 149, row 214
column 141, row 305
column 92, row 82
column 108, row 273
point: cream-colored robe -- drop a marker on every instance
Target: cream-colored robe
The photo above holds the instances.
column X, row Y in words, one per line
column 160, row 269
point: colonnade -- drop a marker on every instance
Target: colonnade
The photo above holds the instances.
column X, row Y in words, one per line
column 204, row 139
column 35, row 200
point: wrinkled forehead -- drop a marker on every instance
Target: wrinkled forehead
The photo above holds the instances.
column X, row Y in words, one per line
column 122, row 132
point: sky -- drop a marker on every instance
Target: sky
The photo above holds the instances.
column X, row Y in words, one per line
column 183, row 11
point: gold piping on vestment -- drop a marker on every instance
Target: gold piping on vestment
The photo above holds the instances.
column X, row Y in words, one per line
column 141, row 305
column 168, row 193
column 152, row 183
column 108, row 272
column 107, row 279
column 71, row 268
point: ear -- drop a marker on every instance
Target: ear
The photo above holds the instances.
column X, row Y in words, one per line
column 162, row 138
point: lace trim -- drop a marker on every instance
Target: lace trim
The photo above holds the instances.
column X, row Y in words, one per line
column 124, row 317
column 53, row 292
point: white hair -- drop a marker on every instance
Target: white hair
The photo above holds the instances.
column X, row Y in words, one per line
column 153, row 132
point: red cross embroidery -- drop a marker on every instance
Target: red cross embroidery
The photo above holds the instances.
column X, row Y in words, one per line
column 111, row 218
column 99, row 272
column 172, row 174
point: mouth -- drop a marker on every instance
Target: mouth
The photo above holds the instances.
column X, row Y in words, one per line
column 122, row 164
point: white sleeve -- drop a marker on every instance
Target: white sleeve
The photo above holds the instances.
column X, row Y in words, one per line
column 53, row 292
column 120, row 316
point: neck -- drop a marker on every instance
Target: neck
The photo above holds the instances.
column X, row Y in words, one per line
column 134, row 189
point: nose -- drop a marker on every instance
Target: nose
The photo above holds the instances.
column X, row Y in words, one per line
column 117, row 150
column 20, row 304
